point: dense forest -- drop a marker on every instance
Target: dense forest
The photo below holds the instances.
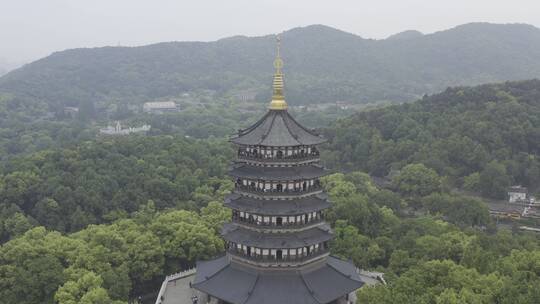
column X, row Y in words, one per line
column 96, row 181
column 86, row 219
column 481, row 138
column 425, row 259
column 323, row 65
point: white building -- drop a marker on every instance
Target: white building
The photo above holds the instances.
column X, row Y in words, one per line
column 117, row 130
column 160, row 107
column 517, row 194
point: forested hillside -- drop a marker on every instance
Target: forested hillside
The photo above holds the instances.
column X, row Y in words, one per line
column 482, row 138
column 99, row 181
column 102, row 220
column 323, row 65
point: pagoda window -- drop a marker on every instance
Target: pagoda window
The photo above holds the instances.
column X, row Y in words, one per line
column 279, row 221
column 279, row 187
column 265, row 252
column 252, row 184
column 248, row 252
column 255, row 151
column 308, row 250
column 279, row 255
column 257, row 251
column 273, row 252
column 291, row 219
column 241, row 214
column 266, row 220
column 279, row 154
column 304, row 186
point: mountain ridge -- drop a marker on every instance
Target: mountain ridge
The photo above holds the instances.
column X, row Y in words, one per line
column 322, row 64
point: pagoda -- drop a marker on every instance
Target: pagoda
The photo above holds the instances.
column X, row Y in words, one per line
column 277, row 243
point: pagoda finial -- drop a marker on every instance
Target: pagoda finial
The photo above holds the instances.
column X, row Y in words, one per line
column 278, row 99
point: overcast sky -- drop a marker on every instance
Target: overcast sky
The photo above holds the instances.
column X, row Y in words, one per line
column 30, row 29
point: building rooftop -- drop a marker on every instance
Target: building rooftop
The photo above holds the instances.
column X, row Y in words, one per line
column 160, row 105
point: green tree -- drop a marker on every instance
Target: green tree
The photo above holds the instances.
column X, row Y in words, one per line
column 417, row 180
column 494, row 181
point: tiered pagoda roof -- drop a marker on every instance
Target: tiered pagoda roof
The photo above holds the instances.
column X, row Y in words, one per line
column 277, row 242
column 319, row 283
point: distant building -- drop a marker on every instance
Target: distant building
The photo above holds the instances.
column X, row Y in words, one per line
column 517, row 194
column 159, row 107
column 71, row 111
column 117, row 130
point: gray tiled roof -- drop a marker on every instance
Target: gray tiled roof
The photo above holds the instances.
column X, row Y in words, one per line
column 278, row 207
column 277, row 129
column 236, row 234
column 278, row 173
column 324, row 282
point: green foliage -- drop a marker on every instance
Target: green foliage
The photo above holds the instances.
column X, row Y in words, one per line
column 106, row 263
column 493, row 181
column 482, row 138
column 67, row 189
column 417, row 180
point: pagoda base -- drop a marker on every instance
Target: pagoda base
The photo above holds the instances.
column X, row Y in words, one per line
column 329, row 280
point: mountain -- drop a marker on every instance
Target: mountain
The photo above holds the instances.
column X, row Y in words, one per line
column 322, row 65
column 482, row 138
column 406, row 35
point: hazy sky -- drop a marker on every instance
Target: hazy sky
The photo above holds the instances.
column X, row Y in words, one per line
column 30, row 29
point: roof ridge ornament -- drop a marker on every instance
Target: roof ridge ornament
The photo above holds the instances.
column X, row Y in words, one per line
column 278, row 99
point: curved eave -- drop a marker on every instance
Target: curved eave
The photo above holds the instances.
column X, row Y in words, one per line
column 277, row 207
column 236, row 234
column 277, row 128
column 320, row 284
column 278, row 173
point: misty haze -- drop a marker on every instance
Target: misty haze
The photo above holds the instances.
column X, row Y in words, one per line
column 291, row 152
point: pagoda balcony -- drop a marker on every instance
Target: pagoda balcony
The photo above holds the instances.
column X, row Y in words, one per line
column 274, row 227
column 297, row 192
column 286, row 159
column 272, row 261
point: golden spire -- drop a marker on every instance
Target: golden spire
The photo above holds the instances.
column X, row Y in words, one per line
column 278, row 100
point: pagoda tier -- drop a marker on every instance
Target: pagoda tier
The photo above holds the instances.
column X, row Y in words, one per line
column 273, row 207
column 277, row 173
column 280, row 240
